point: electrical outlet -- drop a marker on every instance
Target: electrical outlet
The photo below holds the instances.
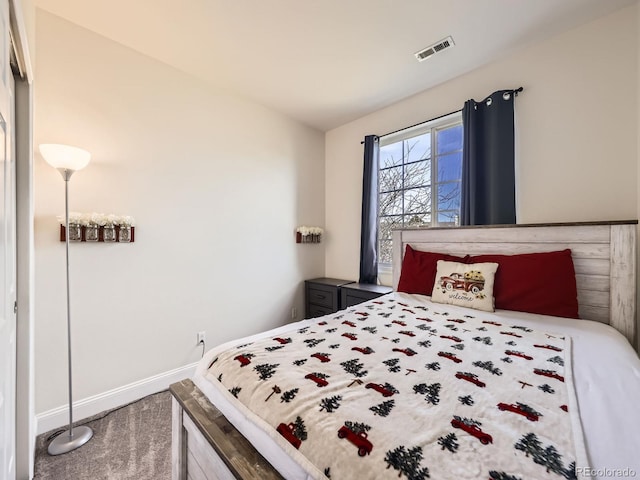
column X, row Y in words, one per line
column 201, row 338
column 294, row 313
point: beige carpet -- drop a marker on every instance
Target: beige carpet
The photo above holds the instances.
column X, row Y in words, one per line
column 131, row 442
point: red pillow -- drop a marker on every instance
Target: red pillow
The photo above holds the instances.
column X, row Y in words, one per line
column 419, row 270
column 543, row 283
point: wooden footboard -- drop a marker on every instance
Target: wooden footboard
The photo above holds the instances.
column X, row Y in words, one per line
column 205, row 446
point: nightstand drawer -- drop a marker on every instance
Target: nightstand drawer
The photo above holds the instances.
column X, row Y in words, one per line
column 356, row 293
column 324, row 297
column 318, row 311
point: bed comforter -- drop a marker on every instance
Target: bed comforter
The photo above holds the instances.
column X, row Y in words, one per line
column 393, row 388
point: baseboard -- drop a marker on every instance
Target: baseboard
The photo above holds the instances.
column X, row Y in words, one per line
column 59, row 417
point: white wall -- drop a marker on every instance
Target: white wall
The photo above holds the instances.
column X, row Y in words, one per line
column 577, row 127
column 217, row 185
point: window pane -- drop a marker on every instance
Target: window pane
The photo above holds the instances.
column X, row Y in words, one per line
column 391, row 155
column 448, row 219
column 408, row 182
column 385, row 234
column 417, row 174
column 385, row 251
column 387, row 225
column 450, row 167
column 390, row 203
column 449, row 139
column 418, row 148
column 449, row 196
column 390, row 179
column 417, row 200
column 416, row 220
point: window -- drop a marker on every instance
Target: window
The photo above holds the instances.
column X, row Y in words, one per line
column 419, row 179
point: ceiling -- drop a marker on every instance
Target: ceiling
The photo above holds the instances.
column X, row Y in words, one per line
column 326, row 62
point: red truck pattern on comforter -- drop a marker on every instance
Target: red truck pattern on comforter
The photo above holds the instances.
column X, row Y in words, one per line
column 392, row 389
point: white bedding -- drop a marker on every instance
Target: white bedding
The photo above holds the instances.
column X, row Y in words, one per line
column 606, row 377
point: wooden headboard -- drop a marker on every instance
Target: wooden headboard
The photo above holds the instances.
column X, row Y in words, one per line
column 604, row 256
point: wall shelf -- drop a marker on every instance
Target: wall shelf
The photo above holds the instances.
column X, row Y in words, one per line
column 100, row 235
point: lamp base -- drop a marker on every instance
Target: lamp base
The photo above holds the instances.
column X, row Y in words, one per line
column 66, row 442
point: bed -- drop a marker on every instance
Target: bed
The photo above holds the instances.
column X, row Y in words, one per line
column 586, row 383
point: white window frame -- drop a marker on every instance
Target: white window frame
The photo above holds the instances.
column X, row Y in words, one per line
column 432, row 126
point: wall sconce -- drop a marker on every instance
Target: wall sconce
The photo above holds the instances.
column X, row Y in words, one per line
column 309, row 234
column 98, row 227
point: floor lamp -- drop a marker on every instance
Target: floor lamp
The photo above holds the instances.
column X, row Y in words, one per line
column 67, row 160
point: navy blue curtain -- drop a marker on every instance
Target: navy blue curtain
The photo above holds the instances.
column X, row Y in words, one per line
column 488, row 158
column 369, row 229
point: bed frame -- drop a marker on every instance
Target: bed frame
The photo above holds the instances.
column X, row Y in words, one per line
column 205, row 446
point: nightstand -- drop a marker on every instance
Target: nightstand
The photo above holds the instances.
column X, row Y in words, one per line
column 355, row 293
column 322, row 296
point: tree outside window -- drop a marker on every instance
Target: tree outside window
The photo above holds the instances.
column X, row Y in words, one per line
column 419, row 179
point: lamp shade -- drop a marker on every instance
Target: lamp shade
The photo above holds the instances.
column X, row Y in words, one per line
column 64, row 157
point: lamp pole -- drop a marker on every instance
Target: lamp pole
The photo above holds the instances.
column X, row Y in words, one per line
column 66, row 175
column 56, row 154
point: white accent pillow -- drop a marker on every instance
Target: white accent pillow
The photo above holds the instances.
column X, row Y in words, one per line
column 465, row 284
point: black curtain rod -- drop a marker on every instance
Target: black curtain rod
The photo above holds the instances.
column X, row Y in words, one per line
column 515, row 92
column 417, row 124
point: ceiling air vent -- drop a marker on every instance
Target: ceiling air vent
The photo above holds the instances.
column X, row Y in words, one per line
column 435, row 48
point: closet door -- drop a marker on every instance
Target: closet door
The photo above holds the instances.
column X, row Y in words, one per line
column 7, row 257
